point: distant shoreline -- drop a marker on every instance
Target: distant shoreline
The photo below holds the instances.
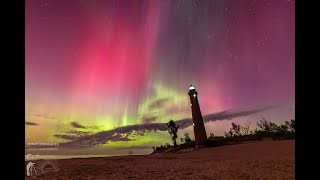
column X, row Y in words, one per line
column 61, row 157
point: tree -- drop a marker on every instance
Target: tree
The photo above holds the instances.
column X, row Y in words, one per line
column 236, row 129
column 291, row 125
column 187, row 139
column 268, row 128
column 173, row 129
column 245, row 129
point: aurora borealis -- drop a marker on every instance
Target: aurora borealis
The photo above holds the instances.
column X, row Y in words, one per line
column 95, row 65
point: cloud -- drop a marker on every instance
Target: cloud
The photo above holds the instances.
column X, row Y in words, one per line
column 224, row 115
column 110, row 135
column 233, row 114
column 135, row 147
column 78, row 133
column 158, row 103
column 76, row 125
column 31, row 123
column 67, row 137
column 138, row 133
column 120, row 137
column 115, row 134
column 149, row 119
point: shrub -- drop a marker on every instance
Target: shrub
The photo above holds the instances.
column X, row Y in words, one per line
column 187, row 139
column 265, row 129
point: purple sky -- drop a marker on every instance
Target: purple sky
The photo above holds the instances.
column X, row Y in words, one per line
column 103, row 63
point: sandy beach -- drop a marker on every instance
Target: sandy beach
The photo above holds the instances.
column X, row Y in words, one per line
column 254, row 160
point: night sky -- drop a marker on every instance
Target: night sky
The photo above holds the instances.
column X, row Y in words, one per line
column 94, row 65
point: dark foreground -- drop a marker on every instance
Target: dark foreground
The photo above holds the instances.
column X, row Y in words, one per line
column 256, row 160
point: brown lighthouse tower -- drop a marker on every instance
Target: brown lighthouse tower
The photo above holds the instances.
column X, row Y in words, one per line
column 198, row 126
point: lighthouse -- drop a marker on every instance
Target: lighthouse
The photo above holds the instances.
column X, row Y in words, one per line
column 198, row 126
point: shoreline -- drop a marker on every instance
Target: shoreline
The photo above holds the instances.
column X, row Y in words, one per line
column 259, row 159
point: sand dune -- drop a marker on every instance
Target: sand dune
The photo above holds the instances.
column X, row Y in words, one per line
column 256, row 160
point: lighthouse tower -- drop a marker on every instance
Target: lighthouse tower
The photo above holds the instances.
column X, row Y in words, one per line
column 198, row 126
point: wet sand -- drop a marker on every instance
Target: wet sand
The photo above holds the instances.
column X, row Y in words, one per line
column 255, row 160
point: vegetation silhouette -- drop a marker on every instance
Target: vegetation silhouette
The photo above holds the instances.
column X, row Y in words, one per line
column 173, row 130
column 237, row 134
column 187, row 139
